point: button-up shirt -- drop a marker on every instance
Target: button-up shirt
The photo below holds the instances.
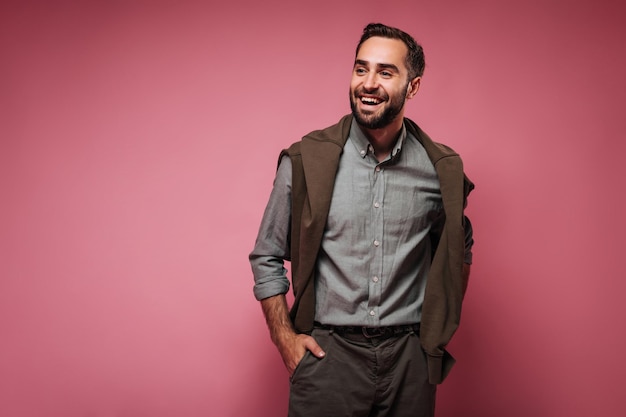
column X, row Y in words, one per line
column 376, row 250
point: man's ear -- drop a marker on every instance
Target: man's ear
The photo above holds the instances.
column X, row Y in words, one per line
column 413, row 86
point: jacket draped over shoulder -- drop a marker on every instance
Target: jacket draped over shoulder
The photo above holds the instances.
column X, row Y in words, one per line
column 315, row 160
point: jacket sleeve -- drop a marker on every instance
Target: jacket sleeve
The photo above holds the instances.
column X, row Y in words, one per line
column 469, row 240
column 468, row 186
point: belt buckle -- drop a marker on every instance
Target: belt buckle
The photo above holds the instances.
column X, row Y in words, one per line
column 372, row 332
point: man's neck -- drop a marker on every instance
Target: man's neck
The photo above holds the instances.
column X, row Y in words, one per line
column 384, row 139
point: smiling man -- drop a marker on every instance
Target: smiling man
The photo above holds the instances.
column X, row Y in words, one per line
column 370, row 212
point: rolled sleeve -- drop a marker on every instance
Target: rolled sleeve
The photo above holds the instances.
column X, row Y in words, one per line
column 271, row 248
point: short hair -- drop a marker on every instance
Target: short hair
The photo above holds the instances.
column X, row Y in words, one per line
column 415, row 61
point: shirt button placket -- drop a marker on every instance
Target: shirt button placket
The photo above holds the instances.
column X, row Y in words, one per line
column 377, row 216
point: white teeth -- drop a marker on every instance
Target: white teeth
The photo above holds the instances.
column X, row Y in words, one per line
column 370, row 100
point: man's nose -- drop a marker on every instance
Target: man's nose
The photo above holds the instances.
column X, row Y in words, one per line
column 371, row 81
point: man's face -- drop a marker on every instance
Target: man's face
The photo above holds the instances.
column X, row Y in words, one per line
column 379, row 85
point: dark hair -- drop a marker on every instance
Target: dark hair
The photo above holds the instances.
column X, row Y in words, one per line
column 415, row 56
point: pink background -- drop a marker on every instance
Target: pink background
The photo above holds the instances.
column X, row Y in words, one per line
column 138, row 142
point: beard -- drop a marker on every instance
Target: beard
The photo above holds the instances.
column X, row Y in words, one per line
column 381, row 118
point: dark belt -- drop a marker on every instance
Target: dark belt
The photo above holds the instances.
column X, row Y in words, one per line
column 372, row 332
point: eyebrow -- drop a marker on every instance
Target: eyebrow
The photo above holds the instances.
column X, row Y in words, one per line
column 380, row 66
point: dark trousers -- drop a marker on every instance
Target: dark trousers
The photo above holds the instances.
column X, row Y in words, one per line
column 363, row 377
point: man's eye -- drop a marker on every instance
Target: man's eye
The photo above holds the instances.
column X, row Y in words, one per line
column 386, row 74
column 360, row 71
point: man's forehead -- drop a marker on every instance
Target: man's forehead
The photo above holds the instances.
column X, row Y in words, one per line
column 382, row 50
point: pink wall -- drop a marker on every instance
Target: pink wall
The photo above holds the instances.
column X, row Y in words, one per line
column 125, row 224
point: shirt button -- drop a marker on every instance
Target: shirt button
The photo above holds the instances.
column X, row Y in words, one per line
column 362, row 153
column 377, row 169
column 377, row 204
column 376, row 243
column 375, row 279
column 372, row 313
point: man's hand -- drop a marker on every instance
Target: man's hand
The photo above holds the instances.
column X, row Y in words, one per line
column 292, row 346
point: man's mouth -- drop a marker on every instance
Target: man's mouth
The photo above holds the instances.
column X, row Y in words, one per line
column 371, row 101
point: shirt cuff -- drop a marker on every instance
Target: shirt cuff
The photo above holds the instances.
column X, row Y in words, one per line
column 269, row 287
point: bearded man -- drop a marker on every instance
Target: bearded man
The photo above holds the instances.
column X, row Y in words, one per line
column 370, row 213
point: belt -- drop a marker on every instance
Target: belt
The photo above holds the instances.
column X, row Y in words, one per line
column 371, row 332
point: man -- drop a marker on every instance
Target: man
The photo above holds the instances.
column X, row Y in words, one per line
column 370, row 214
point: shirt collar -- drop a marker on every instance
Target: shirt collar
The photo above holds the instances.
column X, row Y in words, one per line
column 362, row 144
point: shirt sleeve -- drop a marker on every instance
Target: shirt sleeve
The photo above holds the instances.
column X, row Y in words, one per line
column 271, row 248
column 469, row 241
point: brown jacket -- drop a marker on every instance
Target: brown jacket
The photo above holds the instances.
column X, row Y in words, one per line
column 315, row 160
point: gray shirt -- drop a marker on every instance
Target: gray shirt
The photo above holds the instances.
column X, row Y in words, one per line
column 376, row 250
